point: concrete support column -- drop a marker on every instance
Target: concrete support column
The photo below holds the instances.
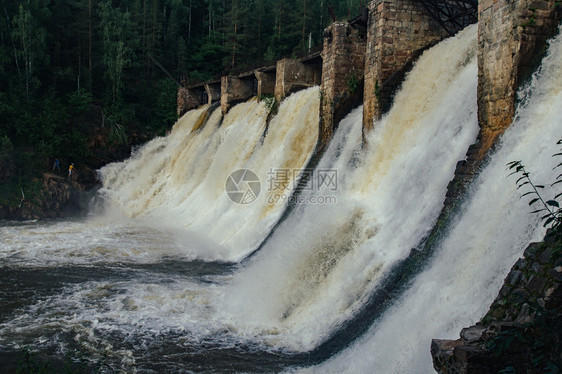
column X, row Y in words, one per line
column 213, row 92
column 512, row 39
column 234, row 90
column 293, row 75
column 190, row 98
column 343, row 61
column 397, row 31
column 266, row 83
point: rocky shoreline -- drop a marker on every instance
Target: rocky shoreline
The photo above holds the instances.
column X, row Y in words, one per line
column 53, row 194
column 58, row 197
column 522, row 331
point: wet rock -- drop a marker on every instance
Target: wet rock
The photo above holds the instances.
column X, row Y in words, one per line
column 531, row 249
column 473, row 333
column 524, row 315
column 444, row 361
column 58, row 197
column 520, row 264
column 519, row 295
column 514, row 277
column 541, row 302
column 505, row 290
column 443, row 346
column 536, row 284
column 545, row 256
column 556, row 273
column 513, row 327
column 536, row 267
column 466, row 352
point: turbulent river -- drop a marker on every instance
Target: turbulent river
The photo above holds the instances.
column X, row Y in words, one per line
column 190, row 259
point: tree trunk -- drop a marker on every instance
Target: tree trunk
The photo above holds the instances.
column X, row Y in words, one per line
column 234, row 47
column 12, row 39
column 189, row 25
column 321, row 17
column 259, row 28
column 90, row 43
column 79, row 67
column 144, row 42
column 304, row 26
column 279, row 20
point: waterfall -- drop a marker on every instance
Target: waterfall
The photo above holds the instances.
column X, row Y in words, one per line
column 482, row 244
column 324, row 261
column 179, row 181
column 162, row 280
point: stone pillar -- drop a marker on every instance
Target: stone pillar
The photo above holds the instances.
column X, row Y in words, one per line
column 266, row 83
column 396, row 33
column 234, row 90
column 213, row 92
column 512, row 38
column 293, row 75
column 190, row 98
column 343, row 61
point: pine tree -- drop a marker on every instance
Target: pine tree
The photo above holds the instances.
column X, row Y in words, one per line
column 116, row 52
column 29, row 38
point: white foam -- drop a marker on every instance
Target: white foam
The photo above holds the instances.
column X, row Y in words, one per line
column 482, row 245
column 321, row 264
column 179, row 181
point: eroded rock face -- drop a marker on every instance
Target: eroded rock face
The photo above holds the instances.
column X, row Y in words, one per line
column 523, row 327
column 58, row 197
column 442, row 352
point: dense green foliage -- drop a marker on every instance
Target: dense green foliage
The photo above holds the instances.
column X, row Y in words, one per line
column 71, row 69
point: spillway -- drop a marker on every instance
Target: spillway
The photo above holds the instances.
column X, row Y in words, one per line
column 160, row 279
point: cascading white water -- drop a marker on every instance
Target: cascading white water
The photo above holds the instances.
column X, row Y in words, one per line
column 179, row 181
column 129, row 286
column 325, row 259
column 484, row 241
column 322, row 263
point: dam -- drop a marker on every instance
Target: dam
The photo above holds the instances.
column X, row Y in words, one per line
column 410, row 112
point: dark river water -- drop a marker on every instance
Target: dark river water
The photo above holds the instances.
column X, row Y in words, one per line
column 75, row 303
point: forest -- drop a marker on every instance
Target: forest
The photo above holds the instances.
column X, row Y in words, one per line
column 71, row 69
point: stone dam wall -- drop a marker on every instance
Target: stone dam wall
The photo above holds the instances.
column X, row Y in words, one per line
column 363, row 61
column 397, row 32
column 512, row 38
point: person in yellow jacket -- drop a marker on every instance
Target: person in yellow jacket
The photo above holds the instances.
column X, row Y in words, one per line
column 70, row 168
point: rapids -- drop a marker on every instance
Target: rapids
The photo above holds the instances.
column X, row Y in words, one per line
column 161, row 278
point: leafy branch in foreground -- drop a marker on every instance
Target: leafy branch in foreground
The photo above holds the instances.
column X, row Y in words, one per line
column 552, row 208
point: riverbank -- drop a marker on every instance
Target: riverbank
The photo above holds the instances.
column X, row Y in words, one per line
column 52, row 196
column 521, row 331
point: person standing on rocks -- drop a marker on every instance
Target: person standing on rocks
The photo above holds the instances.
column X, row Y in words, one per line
column 56, row 164
column 70, row 168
